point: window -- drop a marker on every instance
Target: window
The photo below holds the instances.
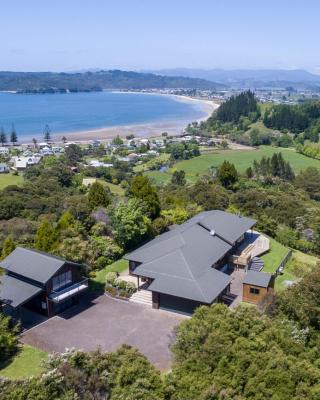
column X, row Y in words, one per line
column 254, row 290
column 61, row 281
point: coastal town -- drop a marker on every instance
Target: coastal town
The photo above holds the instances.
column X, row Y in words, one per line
column 159, row 201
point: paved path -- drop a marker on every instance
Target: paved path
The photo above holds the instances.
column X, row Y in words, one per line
column 108, row 323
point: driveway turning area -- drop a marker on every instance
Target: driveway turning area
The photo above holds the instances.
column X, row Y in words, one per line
column 109, row 323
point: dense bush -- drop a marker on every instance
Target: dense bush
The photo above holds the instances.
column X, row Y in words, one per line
column 8, row 339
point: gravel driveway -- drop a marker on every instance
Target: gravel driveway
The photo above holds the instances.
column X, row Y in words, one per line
column 108, row 323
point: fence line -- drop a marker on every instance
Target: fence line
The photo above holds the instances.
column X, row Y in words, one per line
column 283, row 263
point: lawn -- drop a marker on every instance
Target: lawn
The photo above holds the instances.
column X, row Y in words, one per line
column 115, row 189
column 159, row 178
column 275, row 255
column 25, row 364
column 10, row 179
column 241, row 158
column 98, row 282
column 297, row 266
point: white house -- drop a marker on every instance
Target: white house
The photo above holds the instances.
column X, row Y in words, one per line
column 21, row 163
column 97, row 163
column 4, row 151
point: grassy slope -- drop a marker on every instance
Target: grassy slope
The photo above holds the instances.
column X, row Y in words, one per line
column 241, row 158
column 299, row 264
column 25, row 364
column 115, row 189
column 10, row 179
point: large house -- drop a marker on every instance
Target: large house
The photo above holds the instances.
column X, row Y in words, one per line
column 40, row 282
column 190, row 265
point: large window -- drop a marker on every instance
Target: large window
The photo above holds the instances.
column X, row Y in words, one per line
column 254, row 290
column 61, row 281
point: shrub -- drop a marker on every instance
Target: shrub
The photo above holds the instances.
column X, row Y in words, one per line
column 111, row 277
column 120, row 284
column 130, row 287
column 111, row 290
column 123, row 293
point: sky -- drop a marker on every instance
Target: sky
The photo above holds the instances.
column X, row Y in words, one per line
column 72, row 35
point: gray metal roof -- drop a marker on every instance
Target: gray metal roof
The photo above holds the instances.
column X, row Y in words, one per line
column 205, row 289
column 229, row 227
column 256, row 278
column 181, row 261
column 32, row 264
column 15, row 292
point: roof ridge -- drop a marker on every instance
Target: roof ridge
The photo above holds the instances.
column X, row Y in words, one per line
column 41, row 253
column 194, row 279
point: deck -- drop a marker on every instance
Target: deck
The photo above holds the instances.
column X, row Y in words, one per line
column 254, row 244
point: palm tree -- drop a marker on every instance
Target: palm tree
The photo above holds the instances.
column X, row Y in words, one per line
column 64, row 139
column 35, row 143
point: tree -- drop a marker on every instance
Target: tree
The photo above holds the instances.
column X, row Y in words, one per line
column 8, row 339
column 13, row 136
column 46, row 236
column 227, row 174
column 209, row 196
column 244, row 104
column 47, row 134
column 117, row 141
column 8, row 247
column 35, row 142
column 99, row 195
column 309, row 180
column 103, row 251
column 178, row 178
column 74, row 154
column 3, row 137
column 130, row 223
column 66, row 221
column 231, row 354
column 64, row 139
column 141, row 188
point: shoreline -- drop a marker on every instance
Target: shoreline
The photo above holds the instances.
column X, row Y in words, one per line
column 145, row 130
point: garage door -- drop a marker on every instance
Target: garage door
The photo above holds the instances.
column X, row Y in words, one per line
column 178, row 304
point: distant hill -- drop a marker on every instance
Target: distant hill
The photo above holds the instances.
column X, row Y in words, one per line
column 247, row 77
column 91, row 81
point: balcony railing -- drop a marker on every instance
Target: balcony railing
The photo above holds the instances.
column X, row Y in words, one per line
column 66, row 293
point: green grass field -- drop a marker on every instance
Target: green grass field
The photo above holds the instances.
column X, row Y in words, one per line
column 25, row 364
column 10, row 179
column 242, row 159
column 98, row 282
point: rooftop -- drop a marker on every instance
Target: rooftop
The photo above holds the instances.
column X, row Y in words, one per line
column 256, row 278
column 32, row 264
column 181, row 261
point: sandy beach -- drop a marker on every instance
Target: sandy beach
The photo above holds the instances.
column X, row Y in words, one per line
column 153, row 129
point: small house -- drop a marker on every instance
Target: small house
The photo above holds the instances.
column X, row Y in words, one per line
column 40, row 282
column 4, row 151
column 256, row 285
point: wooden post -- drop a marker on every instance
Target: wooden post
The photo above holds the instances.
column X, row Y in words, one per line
column 138, row 282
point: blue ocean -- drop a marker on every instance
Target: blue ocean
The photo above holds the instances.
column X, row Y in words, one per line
column 87, row 111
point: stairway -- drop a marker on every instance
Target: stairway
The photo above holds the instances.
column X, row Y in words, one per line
column 256, row 264
column 142, row 297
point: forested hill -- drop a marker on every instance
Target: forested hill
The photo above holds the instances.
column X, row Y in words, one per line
column 115, row 79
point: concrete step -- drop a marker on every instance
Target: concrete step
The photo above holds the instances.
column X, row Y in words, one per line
column 142, row 297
